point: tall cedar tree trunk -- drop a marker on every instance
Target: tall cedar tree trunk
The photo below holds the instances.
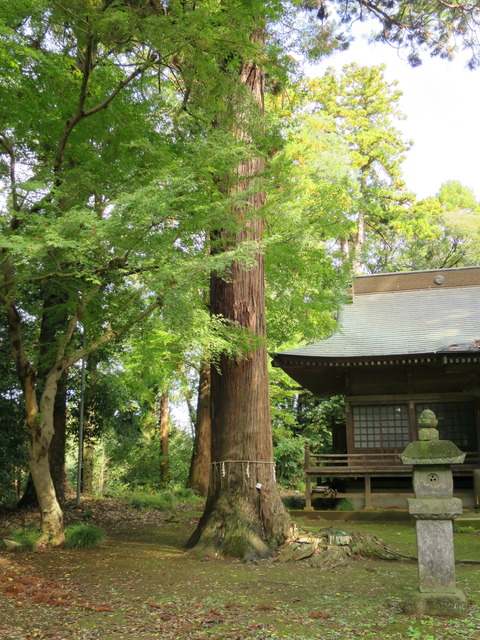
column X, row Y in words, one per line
column 164, row 438
column 244, row 515
column 199, row 474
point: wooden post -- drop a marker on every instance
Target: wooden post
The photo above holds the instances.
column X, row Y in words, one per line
column 476, row 488
column 368, row 493
column 308, row 481
column 308, row 494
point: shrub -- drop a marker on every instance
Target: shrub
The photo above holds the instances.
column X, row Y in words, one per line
column 289, row 460
column 83, row 536
column 186, row 494
column 458, row 528
column 294, row 502
column 345, row 505
column 158, row 502
column 28, row 537
column 163, row 500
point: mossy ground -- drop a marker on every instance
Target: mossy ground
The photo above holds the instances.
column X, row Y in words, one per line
column 142, row 584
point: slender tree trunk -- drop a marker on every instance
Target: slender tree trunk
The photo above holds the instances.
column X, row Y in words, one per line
column 56, row 454
column 189, row 402
column 57, row 446
column 359, row 242
column 89, row 425
column 39, row 419
column 199, row 475
column 244, row 515
column 54, row 317
column 164, row 420
column 41, row 430
column 88, row 463
column 345, row 247
column 102, row 471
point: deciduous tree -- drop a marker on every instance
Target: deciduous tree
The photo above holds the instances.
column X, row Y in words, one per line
column 106, row 190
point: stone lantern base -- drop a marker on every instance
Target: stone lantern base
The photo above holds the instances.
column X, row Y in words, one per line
column 450, row 605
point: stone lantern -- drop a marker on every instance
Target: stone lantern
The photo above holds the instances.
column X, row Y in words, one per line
column 434, row 509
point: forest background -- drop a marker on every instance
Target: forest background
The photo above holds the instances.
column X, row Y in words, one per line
column 124, row 127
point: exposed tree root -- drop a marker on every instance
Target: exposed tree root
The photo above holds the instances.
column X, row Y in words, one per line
column 331, row 548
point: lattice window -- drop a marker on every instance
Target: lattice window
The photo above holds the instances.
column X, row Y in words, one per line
column 381, row 427
column 456, row 422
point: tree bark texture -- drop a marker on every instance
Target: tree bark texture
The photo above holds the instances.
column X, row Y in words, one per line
column 244, row 515
column 88, row 458
column 54, row 318
column 41, row 431
column 39, row 420
column 199, row 475
column 56, row 453
column 359, row 242
column 89, row 425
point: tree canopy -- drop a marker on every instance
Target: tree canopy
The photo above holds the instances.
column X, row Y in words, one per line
column 133, row 156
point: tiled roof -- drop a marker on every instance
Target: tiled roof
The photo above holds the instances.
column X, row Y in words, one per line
column 403, row 322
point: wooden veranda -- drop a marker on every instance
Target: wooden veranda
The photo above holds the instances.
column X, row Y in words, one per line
column 325, row 467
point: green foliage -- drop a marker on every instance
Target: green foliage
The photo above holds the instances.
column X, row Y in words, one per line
column 289, row 455
column 304, row 215
column 139, row 459
column 27, row 537
column 294, row 502
column 180, row 453
column 128, row 459
column 13, row 452
column 438, row 232
column 456, row 198
column 184, row 493
column 163, row 501
column 345, row 505
column 84, row 536
column 300, row 418
column 360, row 107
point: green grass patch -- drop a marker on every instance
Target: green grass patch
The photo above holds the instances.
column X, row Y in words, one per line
column 458, row 528
column 83, row 536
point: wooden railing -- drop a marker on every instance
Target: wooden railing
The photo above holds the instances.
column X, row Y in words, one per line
column 371, row 465
column 351, row 463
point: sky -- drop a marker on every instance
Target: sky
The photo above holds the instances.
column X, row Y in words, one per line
column 441, row 100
